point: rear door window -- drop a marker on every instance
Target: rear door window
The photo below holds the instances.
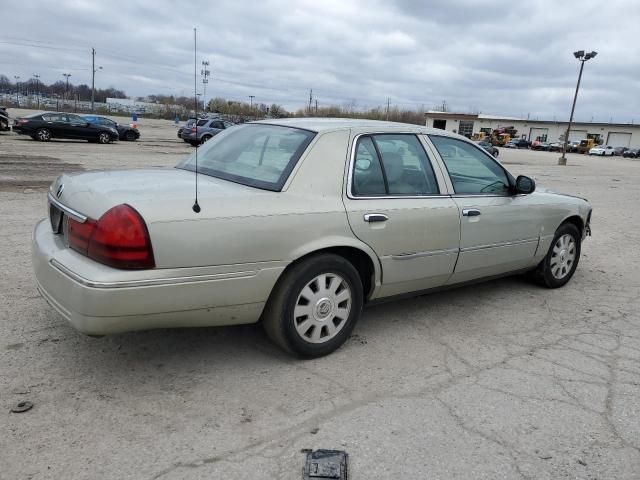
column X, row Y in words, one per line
column 392, row 164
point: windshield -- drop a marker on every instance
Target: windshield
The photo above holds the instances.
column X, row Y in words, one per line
column 257, row 155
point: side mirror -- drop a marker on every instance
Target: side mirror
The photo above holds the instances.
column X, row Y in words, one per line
column 525, row 185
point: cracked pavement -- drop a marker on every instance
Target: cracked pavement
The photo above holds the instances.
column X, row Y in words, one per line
column 498, row 380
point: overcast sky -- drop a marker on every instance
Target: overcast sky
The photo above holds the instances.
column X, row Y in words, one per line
column 509, row 58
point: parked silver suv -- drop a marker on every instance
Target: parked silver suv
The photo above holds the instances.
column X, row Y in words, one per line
column 206, row 129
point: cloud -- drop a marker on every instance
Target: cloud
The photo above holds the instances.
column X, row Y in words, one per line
column 511, row 59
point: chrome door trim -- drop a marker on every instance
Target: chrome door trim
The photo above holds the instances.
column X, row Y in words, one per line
column 77, row 216
column 502, row 244
column 411, row 256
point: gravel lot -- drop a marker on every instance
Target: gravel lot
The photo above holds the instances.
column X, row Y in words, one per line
column 499, row 380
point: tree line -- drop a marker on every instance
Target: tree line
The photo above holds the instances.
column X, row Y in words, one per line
column 223, row 106
column 82, row 91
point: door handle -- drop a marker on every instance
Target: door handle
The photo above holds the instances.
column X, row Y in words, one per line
column 375, row 217
column 470, row 212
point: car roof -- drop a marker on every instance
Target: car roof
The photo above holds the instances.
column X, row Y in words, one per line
column 334, row 124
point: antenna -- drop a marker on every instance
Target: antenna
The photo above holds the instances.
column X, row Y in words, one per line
column 196, row 207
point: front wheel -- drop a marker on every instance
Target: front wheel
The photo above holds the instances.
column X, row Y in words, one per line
column 561, row 260
column 130, row 136
column 314, row 306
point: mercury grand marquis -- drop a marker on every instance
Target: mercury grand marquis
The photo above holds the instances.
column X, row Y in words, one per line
column 298, row 224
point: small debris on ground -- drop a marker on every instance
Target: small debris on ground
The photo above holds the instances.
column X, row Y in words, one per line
column 21, row 407
column 327, row 464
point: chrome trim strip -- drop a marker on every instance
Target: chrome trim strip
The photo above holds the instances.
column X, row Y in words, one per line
column 411, row 256
column 77, row 216
column 495, row 245
column 352, row 157
column 151, row 281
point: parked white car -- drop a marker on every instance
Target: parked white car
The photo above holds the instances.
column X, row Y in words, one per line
column 299, row 223
column 602, row 150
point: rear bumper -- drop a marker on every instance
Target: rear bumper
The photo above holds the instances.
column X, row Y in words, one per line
column 100, row 300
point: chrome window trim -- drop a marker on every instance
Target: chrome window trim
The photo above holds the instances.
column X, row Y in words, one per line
column 352, row 157
column 77, row 216
column 151, row 281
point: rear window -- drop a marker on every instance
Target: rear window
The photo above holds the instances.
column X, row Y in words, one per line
column 256, row 155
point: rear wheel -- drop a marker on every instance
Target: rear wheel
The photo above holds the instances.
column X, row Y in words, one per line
column 561, row 260
column 130, row 136
column 205, row 138
column 43, row 134
column 104, row 138
column 314, row 306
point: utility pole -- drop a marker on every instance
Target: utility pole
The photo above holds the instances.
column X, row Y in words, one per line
column 17, row 77
column 251, row 97
column 37, row 77
column 205, row 72
column 388, row 102
column 66, row 88
column 316, row 106
column 310, row 99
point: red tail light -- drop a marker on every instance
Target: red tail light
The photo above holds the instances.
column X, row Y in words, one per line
column 193, row 130
column 119, row 239
column 21, row 121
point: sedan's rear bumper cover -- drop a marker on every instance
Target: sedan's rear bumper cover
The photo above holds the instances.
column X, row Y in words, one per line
column 159, row 298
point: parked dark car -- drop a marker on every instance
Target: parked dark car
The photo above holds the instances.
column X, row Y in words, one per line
column 619, row 151
column 4, row 120
column 519, row 143
column 489, row 148
column 207, row 128
column 45, row 126
column 632, row 153
column 125, row 132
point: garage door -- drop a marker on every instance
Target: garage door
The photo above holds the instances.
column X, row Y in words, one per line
column 577, row 135
column 619, row 139
column 538, row 133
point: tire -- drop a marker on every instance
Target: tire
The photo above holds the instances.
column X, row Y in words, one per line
column 104, row 138
column 205, row 138
column 130, row 136
column 562, row 259
column 325, row 291
column 43, row 134
column 604, row 154
column 496, row 153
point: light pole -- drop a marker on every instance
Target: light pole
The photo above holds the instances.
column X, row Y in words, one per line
column 251, row 97
column 93, row 76
column 66, row 88
column 37, row 77
column 17, row 77
column 582, row 57
column 205, row 72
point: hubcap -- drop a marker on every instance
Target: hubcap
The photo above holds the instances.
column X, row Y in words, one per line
column 322, row 308
column 563, row 256
column 44, row 135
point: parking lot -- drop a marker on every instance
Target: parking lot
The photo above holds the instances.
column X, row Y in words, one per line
column 498, row 380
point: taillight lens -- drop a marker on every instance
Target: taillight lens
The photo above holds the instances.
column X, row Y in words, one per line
column 20, row 121
column 193, row 130
column 119, row 239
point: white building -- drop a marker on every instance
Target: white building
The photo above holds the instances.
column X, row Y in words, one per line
column 614, row 134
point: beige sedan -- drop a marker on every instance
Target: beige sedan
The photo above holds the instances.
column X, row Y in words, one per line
column 298, row 224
